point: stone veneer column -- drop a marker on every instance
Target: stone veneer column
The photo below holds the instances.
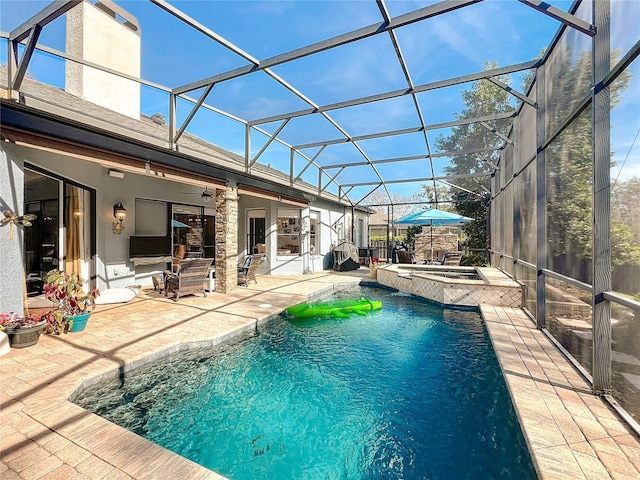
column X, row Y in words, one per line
column 226, row 239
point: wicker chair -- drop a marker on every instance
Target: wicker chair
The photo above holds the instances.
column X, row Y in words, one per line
column 189, row 280
column 180, row 251
column 405, row 257
column 247, row 271
column 450, row 258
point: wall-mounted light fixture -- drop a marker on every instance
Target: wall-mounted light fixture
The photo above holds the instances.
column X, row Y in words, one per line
column 120, row 213
column 206, row 195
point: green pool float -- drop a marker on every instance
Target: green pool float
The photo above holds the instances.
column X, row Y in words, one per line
column 338, row 309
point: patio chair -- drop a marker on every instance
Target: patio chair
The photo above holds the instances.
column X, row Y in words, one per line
column 405, row 257
column 180, row 251
column 247, row 271
column 450, row 259
column 189, row 279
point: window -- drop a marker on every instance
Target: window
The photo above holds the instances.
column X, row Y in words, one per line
column 193, row 231
column 314, row 232
column 288, row 231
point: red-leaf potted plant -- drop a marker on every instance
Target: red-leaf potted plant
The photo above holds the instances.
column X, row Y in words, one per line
column 23, row 331
column 73, row 306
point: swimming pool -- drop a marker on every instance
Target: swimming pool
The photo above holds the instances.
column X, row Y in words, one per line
column 412, row 391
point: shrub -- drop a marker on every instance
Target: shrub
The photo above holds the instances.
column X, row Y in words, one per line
column 474, row 260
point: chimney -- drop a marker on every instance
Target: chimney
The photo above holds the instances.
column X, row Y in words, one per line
column 106, row 35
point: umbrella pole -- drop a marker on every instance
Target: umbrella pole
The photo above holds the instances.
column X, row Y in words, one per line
column 431, row 224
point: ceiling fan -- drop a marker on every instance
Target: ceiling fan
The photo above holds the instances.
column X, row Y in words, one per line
column 205, row 196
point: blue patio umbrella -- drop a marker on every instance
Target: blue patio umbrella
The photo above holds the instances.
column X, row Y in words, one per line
column 432, row 217
column 177, row 224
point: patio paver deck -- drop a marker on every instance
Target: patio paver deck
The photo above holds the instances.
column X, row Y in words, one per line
column 571, row 433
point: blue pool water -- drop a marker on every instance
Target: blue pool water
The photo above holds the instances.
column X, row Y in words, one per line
column 410, row 392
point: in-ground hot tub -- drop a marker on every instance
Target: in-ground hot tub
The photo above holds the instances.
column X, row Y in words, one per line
column 453, row 286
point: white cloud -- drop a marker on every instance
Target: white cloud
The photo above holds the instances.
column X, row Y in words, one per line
column 628, row 172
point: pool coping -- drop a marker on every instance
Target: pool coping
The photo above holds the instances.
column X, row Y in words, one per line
column 45, row 435
column 571, row 433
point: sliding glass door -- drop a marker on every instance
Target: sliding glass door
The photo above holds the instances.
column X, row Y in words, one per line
column 61, row 236
column 193, row 231
column 42, row 238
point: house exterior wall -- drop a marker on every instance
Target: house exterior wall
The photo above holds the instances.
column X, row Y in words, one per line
column 11, row 250
column 331, row 219
column 112, row 266
column 109, row 43
column 354, row 231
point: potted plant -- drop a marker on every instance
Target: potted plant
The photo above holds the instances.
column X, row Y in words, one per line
column 73, row 306
column 23, row 331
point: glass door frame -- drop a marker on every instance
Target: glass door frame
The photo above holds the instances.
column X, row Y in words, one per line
column 205, row 218
column 90, row 225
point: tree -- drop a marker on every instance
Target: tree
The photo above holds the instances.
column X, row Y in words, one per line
column 482, row 99
column 625, row 196
column 410, row 238
column 402, row 204
column 476, row 230
column 625, row 248
column 625, row 226
column 529, row 76
column 428, row 194
column 569, row 163
column 569, row 158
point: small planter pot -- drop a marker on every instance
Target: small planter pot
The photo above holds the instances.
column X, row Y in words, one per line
column 4, row 344
column 78, row 322
column 25, row 336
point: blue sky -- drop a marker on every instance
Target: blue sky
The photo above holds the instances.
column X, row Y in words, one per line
column 449, row 45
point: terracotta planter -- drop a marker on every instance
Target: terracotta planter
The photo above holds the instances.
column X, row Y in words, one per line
column 25, row 336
